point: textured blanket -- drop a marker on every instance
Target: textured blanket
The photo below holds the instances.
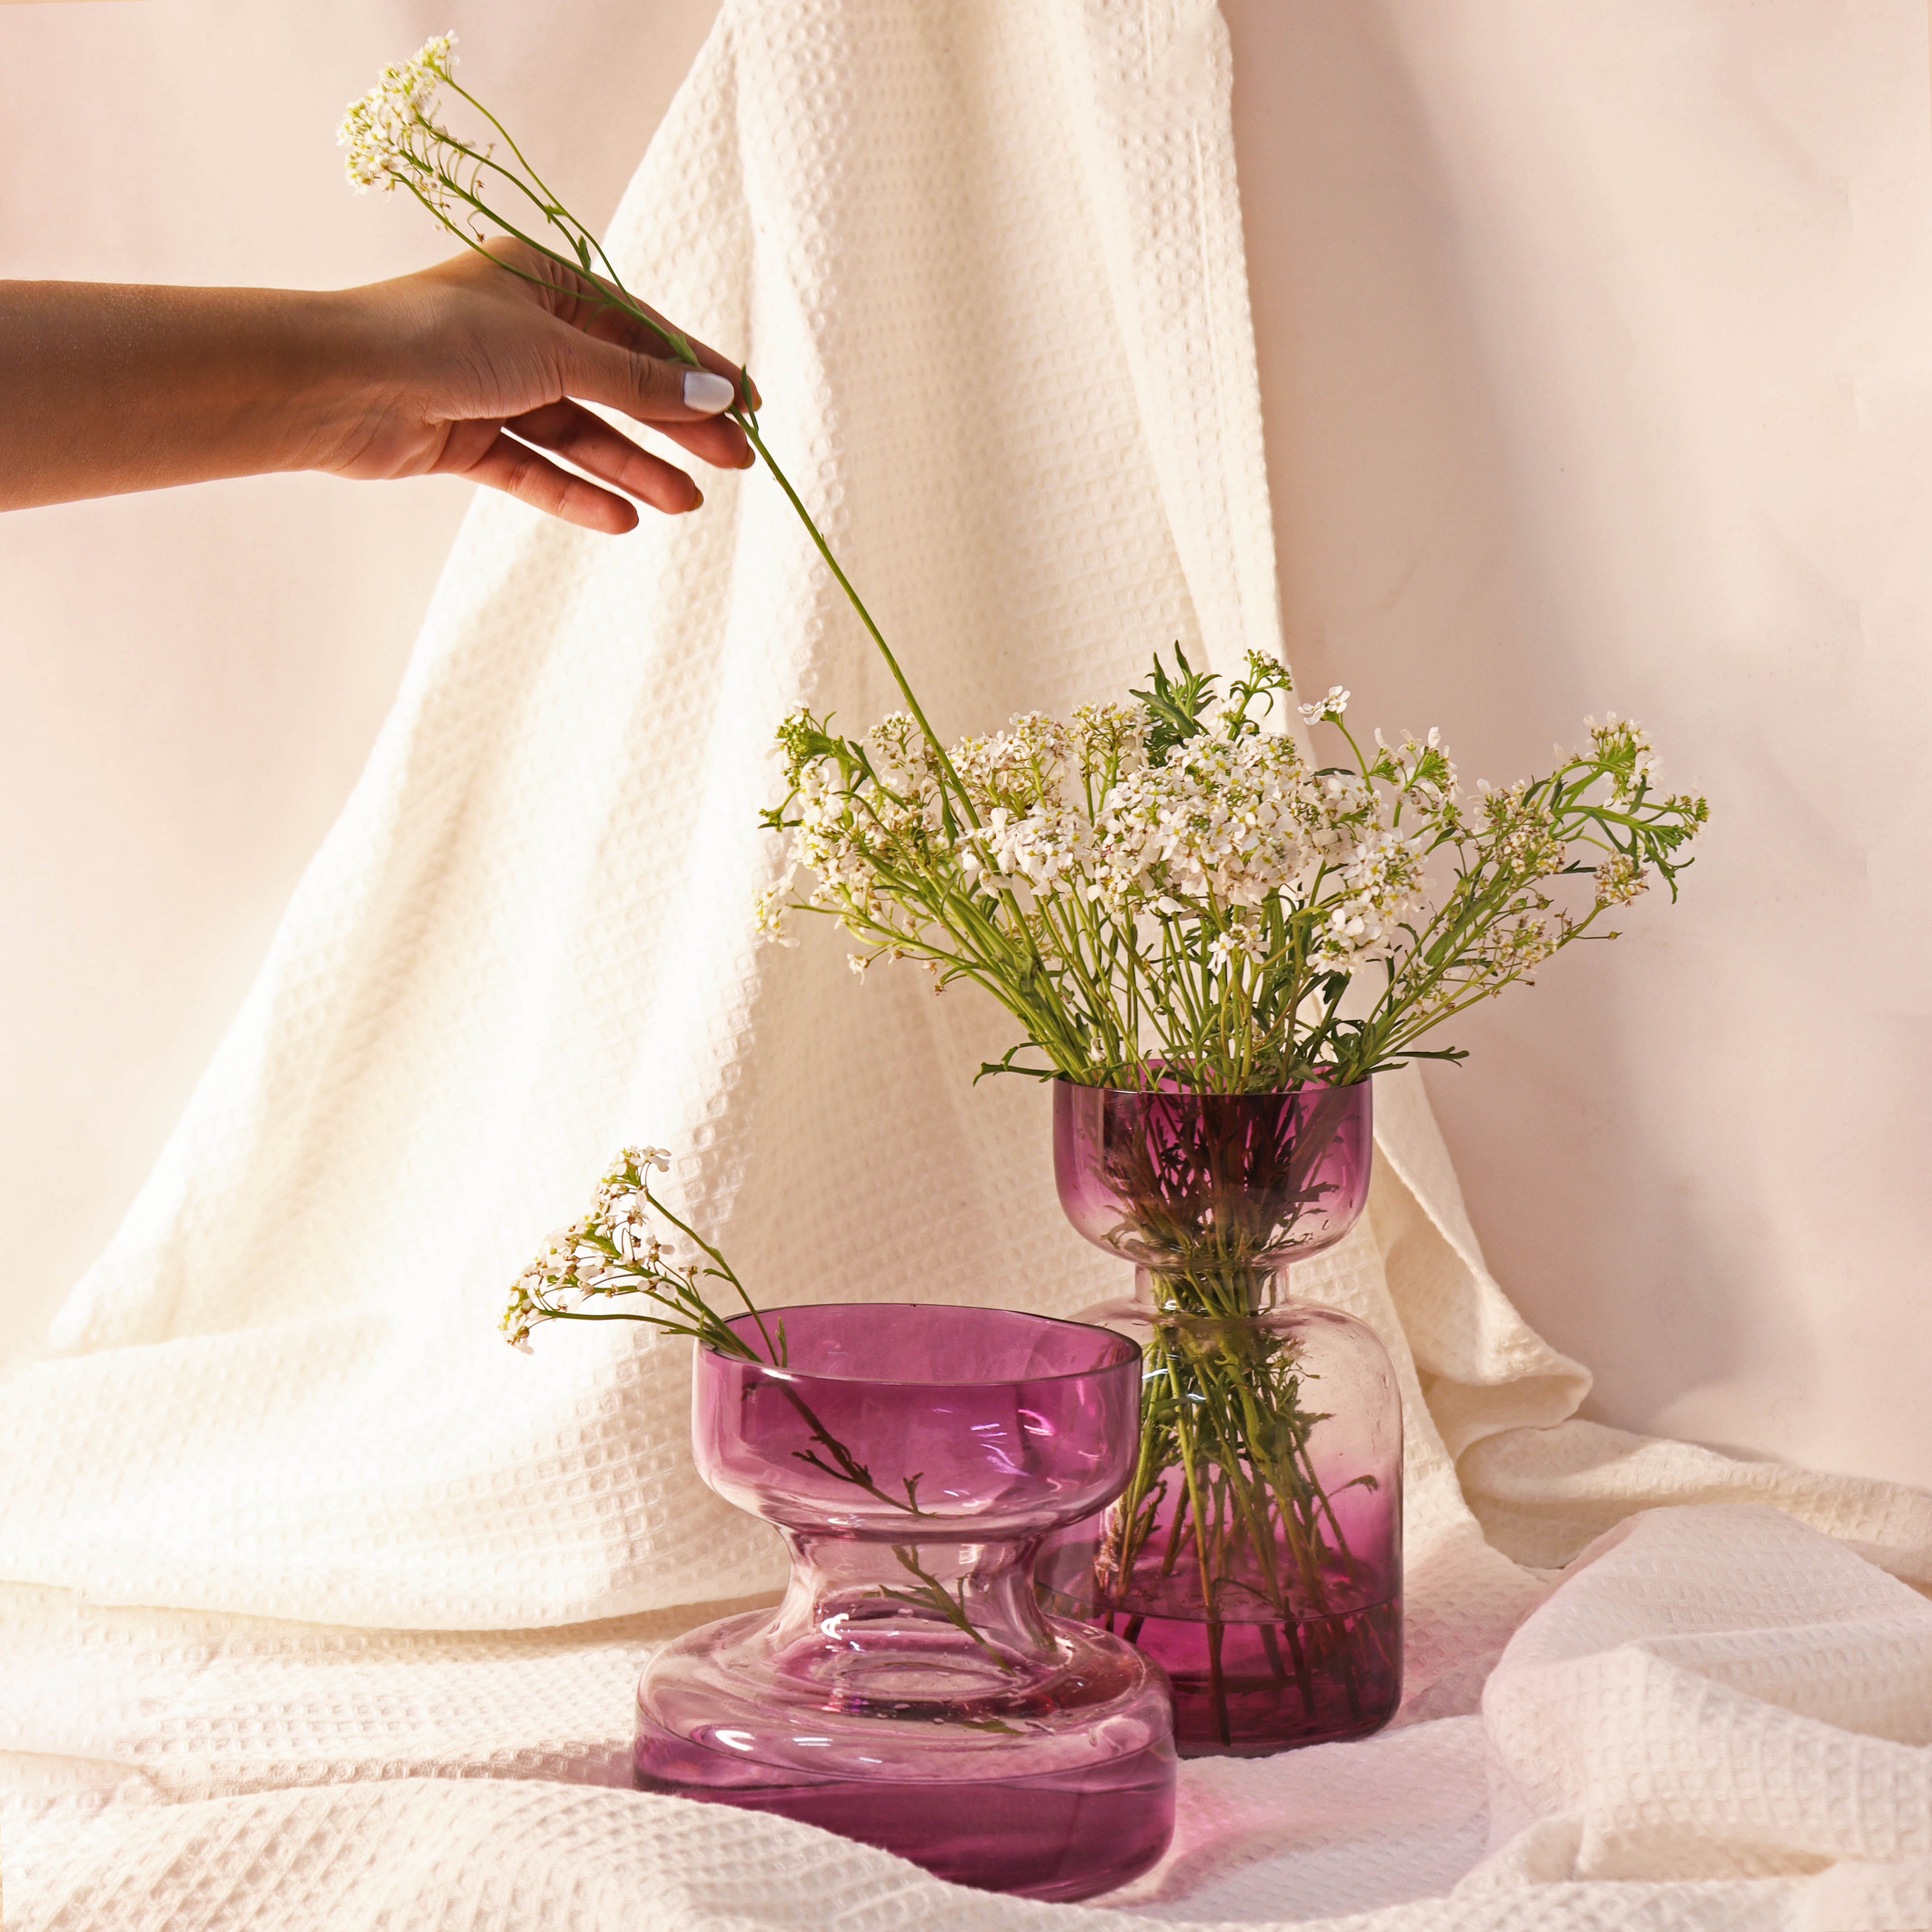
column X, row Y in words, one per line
column 323, row 1608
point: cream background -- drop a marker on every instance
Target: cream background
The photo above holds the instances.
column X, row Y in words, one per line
column 1594, row 362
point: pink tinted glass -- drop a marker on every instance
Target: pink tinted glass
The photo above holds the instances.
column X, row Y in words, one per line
column 909, row 1691
column 1173, row 1178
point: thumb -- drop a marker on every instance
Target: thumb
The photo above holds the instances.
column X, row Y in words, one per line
column 648, row 389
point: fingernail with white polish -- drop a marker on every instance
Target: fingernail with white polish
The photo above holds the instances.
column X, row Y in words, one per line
column 710, row 393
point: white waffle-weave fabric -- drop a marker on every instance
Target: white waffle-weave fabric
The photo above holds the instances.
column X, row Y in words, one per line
column 324, row 1608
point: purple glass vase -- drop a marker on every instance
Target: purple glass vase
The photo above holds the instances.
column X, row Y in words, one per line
column 909, row 1691
column 1256, row 1553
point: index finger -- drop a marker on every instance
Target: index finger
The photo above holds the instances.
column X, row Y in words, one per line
column 646, row 339
column 612, row 316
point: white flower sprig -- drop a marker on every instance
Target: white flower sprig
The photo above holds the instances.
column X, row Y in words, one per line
column 620, row 1249
column 395, row 139
column 480, row 188
column 617, row 1250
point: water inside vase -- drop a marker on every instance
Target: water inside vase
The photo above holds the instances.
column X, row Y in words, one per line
column 1256, row 1686
column 1266, row 1687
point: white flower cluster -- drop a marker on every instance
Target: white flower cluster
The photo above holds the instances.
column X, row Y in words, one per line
column 1025, row 783
column 1523, row 833
column 768, row 913
column 1382, row 887
column 1619, row 880
column 608, row 1251
column 1221, row 823
column 1226, row 820
column 860, row 841
column 1623, row 746
column 385, row 125
column 394, row 140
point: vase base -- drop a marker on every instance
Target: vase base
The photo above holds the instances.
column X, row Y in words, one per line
column 1059, row 1786
column 1067, row 1836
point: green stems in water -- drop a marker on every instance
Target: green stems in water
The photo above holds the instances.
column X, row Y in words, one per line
column 1224, row 1484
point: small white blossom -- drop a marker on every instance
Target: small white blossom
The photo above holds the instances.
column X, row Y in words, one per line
column 1619, row 880
column 769, row 910
column 1233, row 942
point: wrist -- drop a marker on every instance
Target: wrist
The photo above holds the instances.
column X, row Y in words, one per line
column 331, row 379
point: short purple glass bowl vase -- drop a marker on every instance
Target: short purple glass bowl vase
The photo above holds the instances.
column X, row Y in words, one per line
column 1256, row 1553
column 909, row 1691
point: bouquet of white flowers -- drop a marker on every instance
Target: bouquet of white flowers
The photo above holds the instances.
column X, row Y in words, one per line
column 1163, row 892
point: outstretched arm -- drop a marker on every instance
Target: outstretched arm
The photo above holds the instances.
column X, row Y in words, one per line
column 459, row 370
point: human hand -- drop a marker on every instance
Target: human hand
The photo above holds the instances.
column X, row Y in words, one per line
column 473, row 367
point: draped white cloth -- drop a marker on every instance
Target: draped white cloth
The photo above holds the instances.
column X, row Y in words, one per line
column 323, row 1607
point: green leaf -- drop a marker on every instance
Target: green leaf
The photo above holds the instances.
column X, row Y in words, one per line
column 1174, row 705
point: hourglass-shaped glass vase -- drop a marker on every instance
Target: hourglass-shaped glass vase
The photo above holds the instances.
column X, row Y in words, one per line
column 909, row 1691
column 1256, row 1551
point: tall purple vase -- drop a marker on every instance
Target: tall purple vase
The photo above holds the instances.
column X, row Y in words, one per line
column 909, row 1691
column 1255, row 1552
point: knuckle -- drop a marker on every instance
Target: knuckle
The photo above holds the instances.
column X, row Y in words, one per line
column 659, row 385
column 534, row 482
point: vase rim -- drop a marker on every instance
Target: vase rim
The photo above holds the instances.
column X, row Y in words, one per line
column 1129, row 1353
column 1196, row 1093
